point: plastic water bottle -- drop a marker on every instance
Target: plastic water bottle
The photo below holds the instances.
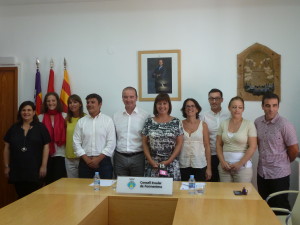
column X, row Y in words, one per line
column 96, row 181
column 192, row 185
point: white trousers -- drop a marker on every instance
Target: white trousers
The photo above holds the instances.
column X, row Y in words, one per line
column 72, row 167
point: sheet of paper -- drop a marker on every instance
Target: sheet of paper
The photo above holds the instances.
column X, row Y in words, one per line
column 105, row 183
column 185, row 185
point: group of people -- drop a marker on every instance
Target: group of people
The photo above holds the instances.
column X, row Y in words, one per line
column 213, row 146
column 38, row 150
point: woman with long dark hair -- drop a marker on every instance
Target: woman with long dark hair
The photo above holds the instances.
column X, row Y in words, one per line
column 75, row 112
column 53, row 119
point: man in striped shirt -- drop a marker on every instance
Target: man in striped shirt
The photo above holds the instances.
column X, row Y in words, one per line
column 278, row 147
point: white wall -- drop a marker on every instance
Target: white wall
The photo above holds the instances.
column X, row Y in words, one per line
column 100, row 42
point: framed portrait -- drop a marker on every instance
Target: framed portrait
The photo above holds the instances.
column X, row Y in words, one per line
column 159, row 72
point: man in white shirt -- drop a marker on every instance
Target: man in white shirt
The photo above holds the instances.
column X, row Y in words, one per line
column 213, row 119
column 129, row 159
column 94, row 140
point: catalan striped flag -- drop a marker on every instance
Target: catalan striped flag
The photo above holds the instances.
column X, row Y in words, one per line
column 51, row 81
column 38, row 93
column 65, row 91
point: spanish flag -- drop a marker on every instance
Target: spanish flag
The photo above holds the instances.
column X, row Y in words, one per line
column 65, row 91
column 38, row 93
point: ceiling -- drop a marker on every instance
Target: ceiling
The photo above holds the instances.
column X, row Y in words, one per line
column 30, row 2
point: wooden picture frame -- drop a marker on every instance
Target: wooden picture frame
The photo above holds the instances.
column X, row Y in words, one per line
column 258, row 69
column 159, row 71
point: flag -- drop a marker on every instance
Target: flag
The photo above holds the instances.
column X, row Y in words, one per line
column 38, row 93
column 65, row 91
column 51, row 81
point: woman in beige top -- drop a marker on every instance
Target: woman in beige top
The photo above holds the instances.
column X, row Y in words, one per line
column 236, row 144
column 195, row 157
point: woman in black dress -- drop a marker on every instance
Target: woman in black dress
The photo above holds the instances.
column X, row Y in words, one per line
column 26, row 151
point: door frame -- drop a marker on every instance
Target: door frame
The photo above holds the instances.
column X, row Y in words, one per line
column 8, row 189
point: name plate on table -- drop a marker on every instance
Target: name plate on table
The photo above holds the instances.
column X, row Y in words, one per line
column 145, row 185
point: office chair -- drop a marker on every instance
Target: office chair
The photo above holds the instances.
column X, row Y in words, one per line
column 293, row 217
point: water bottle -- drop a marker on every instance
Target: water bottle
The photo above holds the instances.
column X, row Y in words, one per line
column 192, row 185
column 96, row 181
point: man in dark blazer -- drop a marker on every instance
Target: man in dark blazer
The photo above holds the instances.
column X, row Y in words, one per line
column 159, row 75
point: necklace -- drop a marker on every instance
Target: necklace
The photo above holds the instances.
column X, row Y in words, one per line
column 24, row 148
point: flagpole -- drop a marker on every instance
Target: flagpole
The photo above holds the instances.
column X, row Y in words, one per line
column 65, row 63
column 51, row 77
column 65, row 89
column 37, row 63
column 51, row 64
column 38, row 90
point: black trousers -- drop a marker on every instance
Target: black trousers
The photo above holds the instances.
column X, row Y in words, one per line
column 199, row 173
column 24, row 188
column 269, row 186
column 214, row 169
column 56, row 169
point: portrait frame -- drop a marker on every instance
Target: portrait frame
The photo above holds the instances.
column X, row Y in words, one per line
column 152, row 81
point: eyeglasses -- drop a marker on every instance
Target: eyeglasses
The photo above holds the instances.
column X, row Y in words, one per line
column 211, row 99
column 237, row 107
column 190, row 106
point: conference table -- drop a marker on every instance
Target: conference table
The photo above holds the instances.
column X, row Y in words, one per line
column 73, row 201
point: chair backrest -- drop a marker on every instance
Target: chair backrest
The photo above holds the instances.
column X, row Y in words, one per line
column 296, row 211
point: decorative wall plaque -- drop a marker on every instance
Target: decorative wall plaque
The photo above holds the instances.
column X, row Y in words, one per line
column 258, row 72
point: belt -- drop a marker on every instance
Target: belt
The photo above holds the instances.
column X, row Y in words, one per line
column 129, row 154
column 93, row 156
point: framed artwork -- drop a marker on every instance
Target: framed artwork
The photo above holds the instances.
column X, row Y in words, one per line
column 159, row 72
column 258, row 72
